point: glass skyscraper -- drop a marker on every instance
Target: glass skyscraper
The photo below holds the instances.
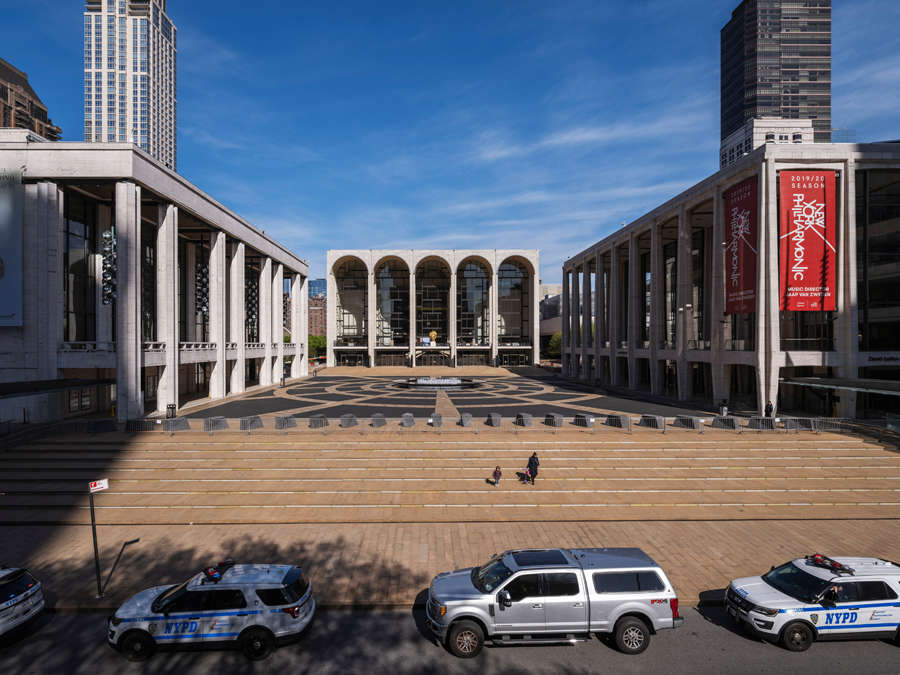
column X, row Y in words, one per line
column 129, row 76
column 776, row 62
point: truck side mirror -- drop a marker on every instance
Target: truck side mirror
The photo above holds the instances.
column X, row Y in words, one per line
column 504, row 599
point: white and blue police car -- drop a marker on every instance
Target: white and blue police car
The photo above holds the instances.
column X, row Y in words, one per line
column 257, row 606
column 21, row 598
column 820, row 598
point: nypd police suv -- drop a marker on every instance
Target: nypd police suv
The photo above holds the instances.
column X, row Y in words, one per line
column 819, row 598
column 254, row 605
column 21, row 598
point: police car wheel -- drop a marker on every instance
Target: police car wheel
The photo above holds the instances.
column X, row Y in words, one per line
column 465, row 639
column 257, row 643
column 797, row 637
column 137, row 646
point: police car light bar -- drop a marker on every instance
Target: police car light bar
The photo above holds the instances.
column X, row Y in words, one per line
column 214, row 574
column 827, row 563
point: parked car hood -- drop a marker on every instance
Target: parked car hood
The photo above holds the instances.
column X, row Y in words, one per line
column 455, row 585
column 757, row 591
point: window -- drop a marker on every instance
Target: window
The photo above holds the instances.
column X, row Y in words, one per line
column 627, row 582
column 224, row 600
column 875, row 590
column 563, row 583
column 272, row 596
column 190, row 601
column 525, row 586
column 846, row 592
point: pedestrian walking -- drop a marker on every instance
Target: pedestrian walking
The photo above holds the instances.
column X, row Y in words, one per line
column 496, row 475
column 533, row 464
column 768, row 409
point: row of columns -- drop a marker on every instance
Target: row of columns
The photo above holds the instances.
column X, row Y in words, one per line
column 226, row 291
column 585, row 308
column 493, row 316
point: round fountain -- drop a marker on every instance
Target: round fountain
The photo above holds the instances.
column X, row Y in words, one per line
column 437, row 383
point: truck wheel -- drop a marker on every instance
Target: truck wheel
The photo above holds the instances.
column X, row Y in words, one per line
column 632, row 635
column 137, row 646
column 797, row 637
column 256, row 643
column 465, row 639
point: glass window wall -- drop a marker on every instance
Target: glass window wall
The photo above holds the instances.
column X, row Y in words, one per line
column 79, row 321
column 513, row 304
column 392, row 304
column 472, row 304
column 432, row 303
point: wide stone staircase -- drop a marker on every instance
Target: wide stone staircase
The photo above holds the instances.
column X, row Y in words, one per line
column 344, row 476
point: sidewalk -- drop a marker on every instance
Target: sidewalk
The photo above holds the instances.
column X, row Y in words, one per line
column 389, row 565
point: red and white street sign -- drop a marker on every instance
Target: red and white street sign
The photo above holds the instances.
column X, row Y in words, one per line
column 99, row 485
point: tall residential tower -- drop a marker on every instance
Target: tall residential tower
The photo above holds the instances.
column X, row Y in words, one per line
column 129, row 76
column 776, row 62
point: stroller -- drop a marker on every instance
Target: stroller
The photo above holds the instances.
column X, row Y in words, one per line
column 524, row 476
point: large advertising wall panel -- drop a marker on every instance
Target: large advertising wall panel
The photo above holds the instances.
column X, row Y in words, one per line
column 741, row 207
column 808, row 241
column 10, row 248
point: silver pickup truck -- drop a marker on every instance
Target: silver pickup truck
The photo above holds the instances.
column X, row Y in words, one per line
column 550, row 596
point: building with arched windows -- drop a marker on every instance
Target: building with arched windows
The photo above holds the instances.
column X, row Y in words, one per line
column 433, row 308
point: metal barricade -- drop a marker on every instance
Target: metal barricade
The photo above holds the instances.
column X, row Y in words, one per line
column 688, row 422
column 653, row 422
column 435, row 420
column 834, row 424
column 377, row 420
column 250, row 423
column 618, row 422
column 554, row 420
column 465, row 420
column 726, row 422
column 763, row 423
column 348, row 420
column 523, row 420
column 136, row 426
column 285, row 422
column 318, row 422
column 211, row 424
column 801, row 424
column 582, row 420
column 493, row 420
column 407, row 420
column 176, row 424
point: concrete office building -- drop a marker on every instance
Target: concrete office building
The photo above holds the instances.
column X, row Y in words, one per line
column 757, row 132
column 776, row 62
column 130, row 48
column 424, row 308
column 775, row 279
column 123, row 283
column 21, row 107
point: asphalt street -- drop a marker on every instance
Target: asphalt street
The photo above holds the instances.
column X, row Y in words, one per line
column 396, row 642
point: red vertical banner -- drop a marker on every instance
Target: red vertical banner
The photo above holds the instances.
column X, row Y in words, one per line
column 807, row 260
column 741, row 206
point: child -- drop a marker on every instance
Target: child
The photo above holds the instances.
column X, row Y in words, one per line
column 497, row 473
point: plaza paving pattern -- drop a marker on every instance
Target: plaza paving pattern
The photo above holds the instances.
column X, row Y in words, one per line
column 375, row 513
column 534, row 391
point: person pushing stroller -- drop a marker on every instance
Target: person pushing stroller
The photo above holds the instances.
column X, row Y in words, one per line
column 532, row 471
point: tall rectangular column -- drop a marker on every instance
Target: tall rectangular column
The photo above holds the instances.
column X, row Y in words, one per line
column 846, row 341
column 238, row 316
column 451, row 337
column 330, row 317
column 167, row 304
column 615, row 302
column 576, row 320
column 495, row 314
column 717, row 301
column 587, row 340
column 278, row 323
column 683, row 294
column 635, row 302
column 218, row 328
column 600, row 316
column 412, row 316
column 565, row 348
column 372, row 318
column 770, row 358
column 536, row 317
column 656, row 301
column 129, row 338
column 265, row 321
column 299, row 326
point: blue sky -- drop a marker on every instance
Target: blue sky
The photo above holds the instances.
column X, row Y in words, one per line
column 451, row 125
